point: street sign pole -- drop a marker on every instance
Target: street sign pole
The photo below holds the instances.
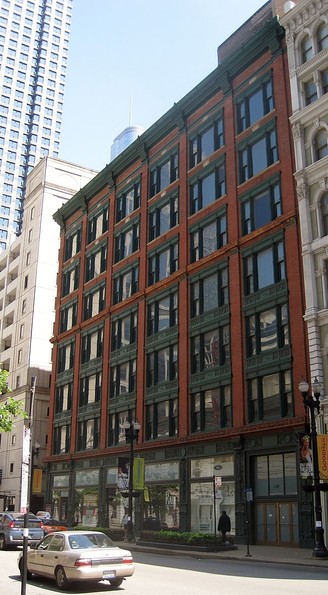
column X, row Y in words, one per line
column 26, row 474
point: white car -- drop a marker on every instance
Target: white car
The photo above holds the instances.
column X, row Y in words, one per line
column 73, row 556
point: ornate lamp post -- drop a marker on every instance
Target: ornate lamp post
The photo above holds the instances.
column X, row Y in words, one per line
column 312, row 404
column 131, row 436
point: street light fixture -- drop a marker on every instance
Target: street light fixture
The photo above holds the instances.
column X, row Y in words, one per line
column 131, row 436
column 311, row 400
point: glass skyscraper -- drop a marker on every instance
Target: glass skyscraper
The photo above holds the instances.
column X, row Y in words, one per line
column 34, row 39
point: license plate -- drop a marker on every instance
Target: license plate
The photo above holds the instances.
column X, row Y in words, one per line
column 109, row 574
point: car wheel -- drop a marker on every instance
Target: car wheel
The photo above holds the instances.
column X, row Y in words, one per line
column 61, row 580
column 116, row 582
column 3, row 545
column 28, row 573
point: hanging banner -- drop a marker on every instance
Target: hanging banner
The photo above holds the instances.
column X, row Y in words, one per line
column 322, row 442
column 138, row 473
column 306, row 460
column 37, row 481
column 123, row 474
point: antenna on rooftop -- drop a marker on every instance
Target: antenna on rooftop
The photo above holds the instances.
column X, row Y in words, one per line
column 130, row 115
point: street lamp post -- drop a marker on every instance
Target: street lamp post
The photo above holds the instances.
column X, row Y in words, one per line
column 312, row 404
column 131, row 436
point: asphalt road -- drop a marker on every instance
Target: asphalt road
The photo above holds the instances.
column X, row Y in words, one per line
column 180, row 575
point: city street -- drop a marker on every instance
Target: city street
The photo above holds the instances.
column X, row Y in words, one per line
column 180, row 575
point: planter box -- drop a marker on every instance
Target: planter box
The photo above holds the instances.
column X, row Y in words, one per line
column 186, row 546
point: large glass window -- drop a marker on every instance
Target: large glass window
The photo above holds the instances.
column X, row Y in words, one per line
column 61, row 442
column 92, row 346
column 258, row 155
column 97, row 224
column 208, row 238
column 116, row 426
column 125, row 284
column 124, row 331
column 164, row 174
column 275, row 474
column 211, row 348
column 162, row 314
column 66, row 357
column 255, row 105
column 127, row 202
column 88, row 434
column 306, row 49
column 94, row 302
column 163, row 263
column 322, row 36
column 162, row 419
column 211, row 409
column 321, row 144
column 123, row 378
column 68, row 317
column 270, row 397
column 261, row 208
column 207, row 189
column 209, row 292
column 264, row 268
column 63, row 399
column 90, row 389
column 163, row 217
column 95, row 263
column 162, row 365
column 127, row 242
column 267, row 330
column 71, row 279
column 206, row 142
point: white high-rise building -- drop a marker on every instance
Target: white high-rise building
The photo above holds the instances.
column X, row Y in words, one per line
column 28, row 280
column 34, row 38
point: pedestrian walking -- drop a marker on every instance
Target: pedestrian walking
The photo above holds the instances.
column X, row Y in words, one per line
column 224, row 524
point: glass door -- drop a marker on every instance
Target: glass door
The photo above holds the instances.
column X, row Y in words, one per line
column 276, row 523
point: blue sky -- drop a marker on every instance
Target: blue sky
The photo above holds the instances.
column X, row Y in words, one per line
column 154, row 51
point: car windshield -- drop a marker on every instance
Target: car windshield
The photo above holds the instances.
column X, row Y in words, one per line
column 90, row 540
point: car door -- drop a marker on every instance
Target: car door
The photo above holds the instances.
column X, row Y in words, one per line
column 52, row 556
column 35, row 557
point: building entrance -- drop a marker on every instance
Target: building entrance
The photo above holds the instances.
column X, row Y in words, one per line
column 276, row 523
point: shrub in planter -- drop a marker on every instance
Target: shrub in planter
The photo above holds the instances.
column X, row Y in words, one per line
column 184, row 538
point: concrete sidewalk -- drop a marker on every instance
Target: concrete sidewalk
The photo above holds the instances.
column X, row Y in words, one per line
column 257, row 553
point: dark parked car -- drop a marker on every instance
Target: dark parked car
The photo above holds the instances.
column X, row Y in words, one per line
column 12, row 527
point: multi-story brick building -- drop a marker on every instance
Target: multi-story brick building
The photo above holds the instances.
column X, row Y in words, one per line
column 180, row 304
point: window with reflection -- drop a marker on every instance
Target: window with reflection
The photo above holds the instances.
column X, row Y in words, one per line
column 322, row 36
column 255, row 105
column 275, row 474
column 162, row 365
column 163, row 263
column 125, row 284
column 94, row 302
column 270, row 397
column 321, row 144
column 88, row 434
column 261, row 208
column 127, row 242
column 267, row 330
column 128, row 201
column 264, row 268
column 163, row 217
column 206, row 142
column 207, row 189
column 116, row 426
column 123, row 378
column 209, row 292
column 258, row 155
column 164, row 174
column 162, row 314
column 97, row 224
column 211, row 410
column 66, row 357
column 208, row 238
column 61, row 442
column 124, row 331
column 92, row 345
column 63, row 399
column 90, row 389
column 210, row 348
column 162, row 419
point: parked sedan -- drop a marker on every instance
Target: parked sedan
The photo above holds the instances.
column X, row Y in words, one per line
column 12, row 529
column 71, row 556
